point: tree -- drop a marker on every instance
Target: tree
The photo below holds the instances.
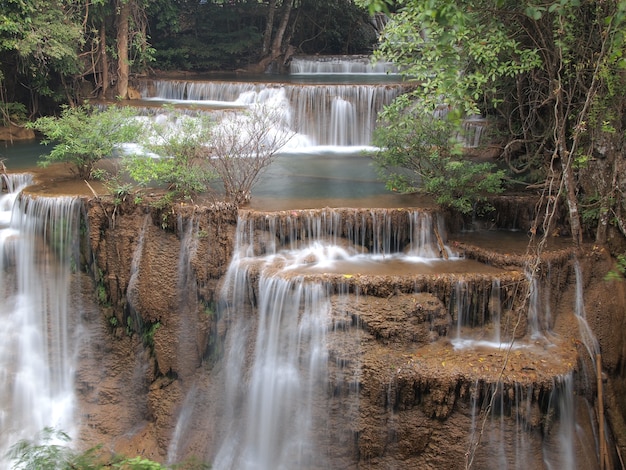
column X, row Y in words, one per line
column 117, row 29
column 179, row 145
column 122, row 9
column 83, row 135
column 544, row 68
column 255, row 34
column 421, row 153
column 190, row 152
column 276, row 36
column 243, row 146
column 39, row 50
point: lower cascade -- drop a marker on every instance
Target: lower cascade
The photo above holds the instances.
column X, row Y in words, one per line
column 374, row 343
column 327, row 338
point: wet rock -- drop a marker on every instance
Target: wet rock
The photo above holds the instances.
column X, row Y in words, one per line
column 12, row 133
column 417, row 318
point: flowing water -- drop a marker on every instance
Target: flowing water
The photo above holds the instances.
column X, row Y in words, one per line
column 273, row 385
column 38, row 254
column 286, row 292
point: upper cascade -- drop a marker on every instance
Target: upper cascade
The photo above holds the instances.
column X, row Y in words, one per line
column 339, row 65
column 322, row 114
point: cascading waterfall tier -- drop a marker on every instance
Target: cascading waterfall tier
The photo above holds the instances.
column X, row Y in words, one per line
column 323, row 115
column 329, row 343
column 40, row 324
column 339, row 65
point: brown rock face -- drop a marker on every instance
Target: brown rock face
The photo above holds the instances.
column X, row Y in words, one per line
column 405, row 318
column 402, row 392
column 157, row 286
column 12, row 133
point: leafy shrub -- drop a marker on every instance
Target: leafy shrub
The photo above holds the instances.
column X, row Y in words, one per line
column 83, row 135
column 421, row 153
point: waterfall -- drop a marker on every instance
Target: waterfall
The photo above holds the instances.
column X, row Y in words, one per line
column 343, row 121
column 586, row 334
column 478, row 308
column 132, row 291
column 276, row 354
column 381, row 232
column 339, row 65
column 352, row 109
column 508, row 435
column 539, row 314
column 559, row 452
column 38, row 255
column 271, row 429
column 495, row 309
column 473, row 129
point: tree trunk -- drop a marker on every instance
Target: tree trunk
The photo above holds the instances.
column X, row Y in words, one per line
column 566, row 157
column 605, row 210
column 104, row 61
column 269, row 28
column 572, row 201
column 123, row 14
column 277, row 45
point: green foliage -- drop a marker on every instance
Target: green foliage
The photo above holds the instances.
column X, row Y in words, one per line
column 50, row 450
column 421, row 153
column 619, row 272
column 12, row 113
column 209, row 308
column 43, row 40
column 232, row 30
column 455, row 52
column 552, row 71
column 84, row 135
column 181, row 144
column 44, row 456
column 333, row 27
column 148, row 334
column 235, row 32
column 102, row 295
column 376, row 6
column 138, row 463
column 590, row 209
column 115, row 183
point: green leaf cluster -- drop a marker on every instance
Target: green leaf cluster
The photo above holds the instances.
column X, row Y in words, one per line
column 43, row 40
column 455, row 52
column 549, row 73
column 82, row 136
column 177, row 156
column 422, row 153
column 50, row 450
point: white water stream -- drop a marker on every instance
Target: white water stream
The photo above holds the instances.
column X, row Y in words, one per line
column 276, row 354
column 38, row 251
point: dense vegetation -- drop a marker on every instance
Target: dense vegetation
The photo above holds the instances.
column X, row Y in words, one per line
column 65, row 51
column 550, row 74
